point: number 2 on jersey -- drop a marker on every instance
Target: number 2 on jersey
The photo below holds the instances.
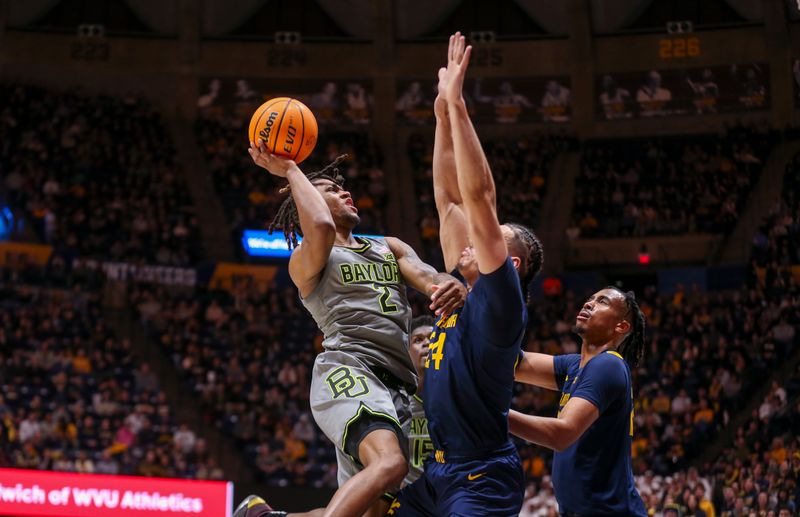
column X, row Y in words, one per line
column 437, row 352
column 383, row 300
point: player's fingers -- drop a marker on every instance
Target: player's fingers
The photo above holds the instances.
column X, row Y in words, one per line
column 450, row 47
column 459, row 47
column 447, row 299
column 465, row 59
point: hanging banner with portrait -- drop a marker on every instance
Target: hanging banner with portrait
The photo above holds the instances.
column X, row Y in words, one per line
column 680, row 92
column 491, row 100
column 340, row 101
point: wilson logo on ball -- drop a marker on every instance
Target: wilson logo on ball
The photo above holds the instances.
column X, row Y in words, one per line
column 264, row 133
column 286, row 126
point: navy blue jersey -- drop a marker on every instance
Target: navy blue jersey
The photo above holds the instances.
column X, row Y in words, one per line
column 594, row 475
column 470, row 369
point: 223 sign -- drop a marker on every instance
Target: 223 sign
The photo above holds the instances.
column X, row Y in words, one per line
column 678, row 48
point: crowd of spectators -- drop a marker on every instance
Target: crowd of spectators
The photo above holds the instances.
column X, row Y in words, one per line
column 74, row 398
column 667, row 186
column 248, row 355
column 520, row 167
column 96, row 176
column 250, row 194
column 776, row 245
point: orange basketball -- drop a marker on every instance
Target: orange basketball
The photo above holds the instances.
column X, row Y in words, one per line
column 287, row 127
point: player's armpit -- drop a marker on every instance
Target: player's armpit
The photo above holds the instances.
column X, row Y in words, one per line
column 537, row 370
column 453, row 233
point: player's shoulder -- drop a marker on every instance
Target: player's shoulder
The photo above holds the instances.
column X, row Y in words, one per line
column 566, row 363
column 499, row 280
column 608, row 362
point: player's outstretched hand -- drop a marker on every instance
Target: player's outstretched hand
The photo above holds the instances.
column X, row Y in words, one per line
column 448, row 295
column 275, row 164
column 451, row 78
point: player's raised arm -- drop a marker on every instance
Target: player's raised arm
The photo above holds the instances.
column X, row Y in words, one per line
column 452, row 222
column 446, row 293
column 319, row 230
column 475, row 181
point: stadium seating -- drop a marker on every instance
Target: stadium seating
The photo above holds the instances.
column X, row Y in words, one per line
column 96, row 176
column 667, row 186
column 75, row 399
column 775, row 247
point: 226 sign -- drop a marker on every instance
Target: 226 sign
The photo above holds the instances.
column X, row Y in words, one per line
column 90, row 50
column 677, row 48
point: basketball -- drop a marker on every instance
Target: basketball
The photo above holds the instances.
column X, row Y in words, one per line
column 287, row 127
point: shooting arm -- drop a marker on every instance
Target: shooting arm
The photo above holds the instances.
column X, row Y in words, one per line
column 319, row 232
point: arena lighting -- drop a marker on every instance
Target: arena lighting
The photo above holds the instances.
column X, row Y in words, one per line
column 259, row 243
column 288, row 38
column 644, row 255
column 6, row 223
column 680, row 27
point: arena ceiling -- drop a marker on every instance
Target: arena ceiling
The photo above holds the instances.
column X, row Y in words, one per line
column 414, row 18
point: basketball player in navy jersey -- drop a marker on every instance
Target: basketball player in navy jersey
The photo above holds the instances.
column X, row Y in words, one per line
column 592, row 433
column 475, row 469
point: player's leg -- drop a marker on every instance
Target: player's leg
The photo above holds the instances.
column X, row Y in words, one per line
column 385, row 466
column 367, row 491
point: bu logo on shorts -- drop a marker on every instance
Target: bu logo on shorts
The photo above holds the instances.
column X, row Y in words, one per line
column 342, row 382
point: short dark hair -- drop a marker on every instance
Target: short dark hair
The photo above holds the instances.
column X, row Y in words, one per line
column 531, row 254
column 632, row 347
column 420, row 321
column 287, row 218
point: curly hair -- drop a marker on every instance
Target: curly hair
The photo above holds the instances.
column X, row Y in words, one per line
column 632, row 347
column 531, row 253
column 287, row 217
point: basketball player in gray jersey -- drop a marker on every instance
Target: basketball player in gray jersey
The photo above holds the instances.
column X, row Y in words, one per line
column 419, row 440
column 355, row 290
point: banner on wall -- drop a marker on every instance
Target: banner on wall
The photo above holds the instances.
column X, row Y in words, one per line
column 18, row 253
column 37, row 493
column 332, row 101
column 679, row 92
column 491, row 100
column 140, row 273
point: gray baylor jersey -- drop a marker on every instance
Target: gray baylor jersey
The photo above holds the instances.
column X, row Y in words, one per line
column 419, row 441
column 360, row 305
